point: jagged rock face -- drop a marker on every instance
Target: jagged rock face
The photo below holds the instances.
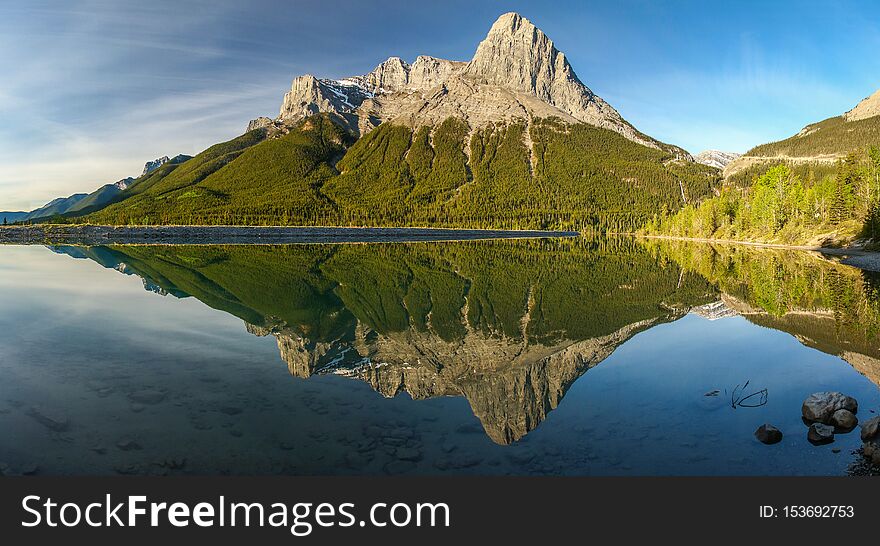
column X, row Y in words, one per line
column 151, row 166
column 714, row 311
column 389, row 77
column 478, row 104
column 510, row 384
column 716, row 158
column 309, row 95
column 429, row 72
column 868, row 108
column 123, row 184
column 261, row 122
column 516, row 74
column 520, row 57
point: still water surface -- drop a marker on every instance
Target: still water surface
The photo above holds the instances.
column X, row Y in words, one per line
column 503, row 357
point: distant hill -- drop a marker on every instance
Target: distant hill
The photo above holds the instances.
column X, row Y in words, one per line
column 82, row 203
column 11, row 217
column 818, row 145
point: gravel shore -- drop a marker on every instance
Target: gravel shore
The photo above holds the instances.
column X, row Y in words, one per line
column 239, row 235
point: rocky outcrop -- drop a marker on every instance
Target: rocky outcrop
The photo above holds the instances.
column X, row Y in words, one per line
column 768, row 434
column 261, row 122
column 716, row 158
column 820, row 434
column 510, row 383
column 123, row 184
column 714, row 311
column 309, row 95
column 518, row 56
column 516, row 74
column 151, row 166
column 867, row 108
column 820, row 407
column 871, row 437
column 390, row 76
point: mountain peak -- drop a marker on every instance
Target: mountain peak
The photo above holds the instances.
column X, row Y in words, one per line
column 151, row 166
column 509, row 22
column 518, row 56
column 515, row 73
column 868, row 108
column 716, row 158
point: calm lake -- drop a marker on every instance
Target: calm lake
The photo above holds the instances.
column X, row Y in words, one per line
column 523, row 357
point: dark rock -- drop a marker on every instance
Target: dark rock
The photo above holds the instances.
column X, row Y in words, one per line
column 768, row 434
column 820, row 434
column 229, row 410
column 50, row 420
column 871, row 429
column 819, row 407
column 872, row 451
column 844, row 420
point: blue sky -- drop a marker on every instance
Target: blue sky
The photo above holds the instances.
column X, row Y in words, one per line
column 90, row 90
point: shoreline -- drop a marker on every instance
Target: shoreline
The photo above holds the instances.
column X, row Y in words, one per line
column 89, row 235
column 861, row 259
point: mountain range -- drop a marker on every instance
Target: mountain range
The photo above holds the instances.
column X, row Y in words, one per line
column 79, row 204
column 818, row 145
column 511, row 138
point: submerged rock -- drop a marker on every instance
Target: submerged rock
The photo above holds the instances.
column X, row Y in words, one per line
column 871, row 429
column 872, row 451
column 844, row 419
column 50, row 420
column 819, row 407
column 768, row 434
column 820, row 434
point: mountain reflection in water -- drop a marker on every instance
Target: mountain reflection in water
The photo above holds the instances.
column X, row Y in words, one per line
column 507, row 326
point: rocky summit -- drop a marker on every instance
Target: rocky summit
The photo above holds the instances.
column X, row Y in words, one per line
column 868, row 108
column 516, row 74
column 716, row 158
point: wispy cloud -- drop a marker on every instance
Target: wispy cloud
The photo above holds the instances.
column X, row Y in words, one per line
column 90, row 89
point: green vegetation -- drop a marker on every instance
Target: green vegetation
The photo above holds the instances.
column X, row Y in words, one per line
column 782, row 206
column 155, row 199
column 832, row 307
column 549, row 291
column 573, row 177
column 830, row 137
